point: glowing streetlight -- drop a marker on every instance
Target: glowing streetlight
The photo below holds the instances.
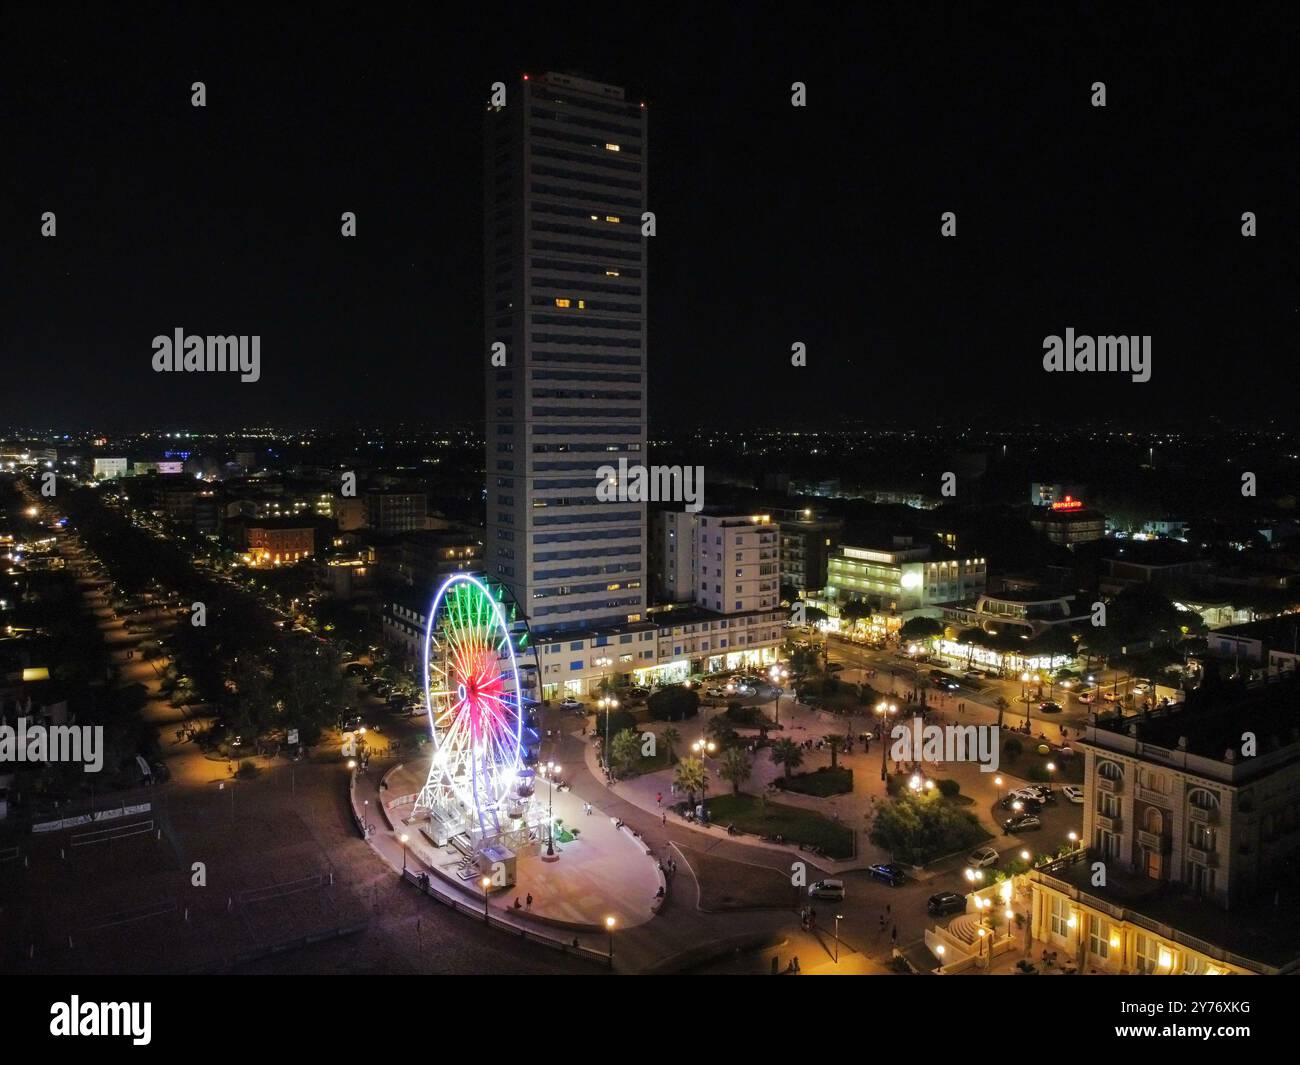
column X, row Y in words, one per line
column 404, row 839
column 609, row 927
column 486, row 883
column 884, row 709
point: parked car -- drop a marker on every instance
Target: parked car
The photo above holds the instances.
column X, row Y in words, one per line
column 982, row 857
column 826, row 889
column 890, row 874
column 638, row 693
column 1042, row 792
column 1023, row 823
column 570, row 704
column 945, row 902
column 1049, row 708
column 1073, row 793
column 716, row 693
column 1086, row 697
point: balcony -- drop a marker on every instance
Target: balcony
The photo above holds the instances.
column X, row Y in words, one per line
column 1155, row 798
column 1198, row 816
column 1115, row 787
column 1206, row 858
column 1110, row 824
column 1153, row 841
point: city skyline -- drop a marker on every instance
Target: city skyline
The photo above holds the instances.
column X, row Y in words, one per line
column 583, row 491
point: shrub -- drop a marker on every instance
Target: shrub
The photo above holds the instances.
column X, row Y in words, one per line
column 675, row 703
column 948, row 787
column 1038, row 772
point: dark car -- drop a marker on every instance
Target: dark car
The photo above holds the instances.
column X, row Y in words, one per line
column 1023, row 823
column 946, row 902
column 1049, row 708
column 888, row 874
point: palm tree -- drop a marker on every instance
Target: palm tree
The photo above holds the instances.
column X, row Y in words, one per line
column 735, row 767
column 671, row 737
column 1003, row 706
column 786, row 753
column 690, row 776
column 834, row 743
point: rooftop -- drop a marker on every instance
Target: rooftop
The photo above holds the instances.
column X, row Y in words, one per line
column 1212, row 720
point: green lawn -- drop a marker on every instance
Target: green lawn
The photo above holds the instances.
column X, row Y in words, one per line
column 750, row 813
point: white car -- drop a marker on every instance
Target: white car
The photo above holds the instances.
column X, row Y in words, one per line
column 1086, row 697
column 826, row 889
column 570, row 704
column 982, row 857
column 1073, row 792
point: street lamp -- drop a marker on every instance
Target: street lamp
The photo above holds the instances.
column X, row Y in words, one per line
column 550, row 771
column 486, row 883
column 997, row 783
column 703, row 748
column 609, row 927
column 405, row 839
column 608, row 704
column 838, row 918
column 884, row 709
column 778, row 674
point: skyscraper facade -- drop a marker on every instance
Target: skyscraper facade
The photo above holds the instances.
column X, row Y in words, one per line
column 565, row 291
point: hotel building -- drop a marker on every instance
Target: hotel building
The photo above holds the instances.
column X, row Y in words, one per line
column 565, row 274
column 1195, row 835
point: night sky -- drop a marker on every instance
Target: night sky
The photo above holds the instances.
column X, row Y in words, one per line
column 776, row 224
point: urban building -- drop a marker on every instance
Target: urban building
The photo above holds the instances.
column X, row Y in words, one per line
column 565, row 272
column 1029, row 613
column 1197, row 837
column 1068, row 522
column 391, row 513
column 1045, row 493
column 903, row 577
column 274, row 541
column 807, row 539
column 105, row 469
column 673, row 544
column 738, row 565
column 1274, row 642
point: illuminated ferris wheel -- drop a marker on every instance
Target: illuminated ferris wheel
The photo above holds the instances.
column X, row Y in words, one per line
column 477, row 704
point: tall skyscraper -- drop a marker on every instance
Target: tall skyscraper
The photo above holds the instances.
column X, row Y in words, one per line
column 565, row 276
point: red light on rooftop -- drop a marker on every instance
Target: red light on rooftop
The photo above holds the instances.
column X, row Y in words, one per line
column 525, row 77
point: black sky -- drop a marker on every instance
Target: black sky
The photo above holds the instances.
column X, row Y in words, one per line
column 776, row 224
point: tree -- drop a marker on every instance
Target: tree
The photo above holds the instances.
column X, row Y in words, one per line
column 834, row 742
column 917, row 828
column 735, row 767
column 1003, row 706
column 674, row 703
column 670, row 737
column 690, row 776
column 921, row 629
column 786, row 753
column 625, row 750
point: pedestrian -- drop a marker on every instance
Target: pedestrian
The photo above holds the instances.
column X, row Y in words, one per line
column 659, row 798
column 893, row 936
column 663, row 819
column 530, row 900
column 882, row 922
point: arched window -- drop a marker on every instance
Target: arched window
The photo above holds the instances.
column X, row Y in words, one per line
column 1153, row 821
column 1204, row 800
column 1110, row 770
